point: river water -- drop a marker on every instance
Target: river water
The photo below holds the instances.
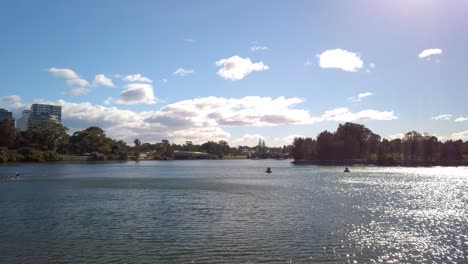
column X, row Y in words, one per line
column 231, row 212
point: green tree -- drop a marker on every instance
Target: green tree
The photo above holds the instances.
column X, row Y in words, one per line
column 92, row 139
column 50, row 134
column 137, row 143
column 8, row 134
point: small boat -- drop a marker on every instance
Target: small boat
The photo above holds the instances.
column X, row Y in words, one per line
column 268, row 170
column 347, row 169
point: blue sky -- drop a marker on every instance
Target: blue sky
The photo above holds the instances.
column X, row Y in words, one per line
column 239, row 70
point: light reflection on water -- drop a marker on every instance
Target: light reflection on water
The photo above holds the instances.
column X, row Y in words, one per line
column 231, row 211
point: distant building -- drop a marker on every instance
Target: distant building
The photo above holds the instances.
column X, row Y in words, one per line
column 22, row 124
column 42, row 112
column 6, row 115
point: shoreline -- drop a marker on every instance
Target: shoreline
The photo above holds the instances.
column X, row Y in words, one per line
column 413, row 164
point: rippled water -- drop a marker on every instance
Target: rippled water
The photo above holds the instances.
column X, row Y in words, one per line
column 232, row 212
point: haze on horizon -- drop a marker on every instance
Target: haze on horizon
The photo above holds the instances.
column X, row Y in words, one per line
column 239, row 71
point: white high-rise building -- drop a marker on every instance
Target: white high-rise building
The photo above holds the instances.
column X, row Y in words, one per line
column 22, row 124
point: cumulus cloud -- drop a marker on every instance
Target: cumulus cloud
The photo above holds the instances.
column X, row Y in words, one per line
column 137, row 78
column 247, row 111
column 429, row 52
column 64, row 73
column 443, row 117
column 461, row 119
column 359, row 97
column 80, row 86
column 345, row 115
column 340, row 59
column 236, row 68
column 77, row 91
column 137, row 93
column 198, row 120
column 10, row 99
column 281, row 141
column 102, row 80
column 182, row 72
column 247, row 140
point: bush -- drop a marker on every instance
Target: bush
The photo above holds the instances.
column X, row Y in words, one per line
column 97, row 156
column 31, row 154
column 3, row 154
column 52, row 156
column 14, row 156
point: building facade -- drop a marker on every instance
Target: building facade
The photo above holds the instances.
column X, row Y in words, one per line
column 42, row 112
column 6, row 115
column 22, row 123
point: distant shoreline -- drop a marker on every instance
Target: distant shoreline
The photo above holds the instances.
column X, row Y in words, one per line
column 367, row 163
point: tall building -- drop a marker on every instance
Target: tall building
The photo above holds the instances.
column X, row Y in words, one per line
column 22, row 124
column 42, row 112
column 5, row 115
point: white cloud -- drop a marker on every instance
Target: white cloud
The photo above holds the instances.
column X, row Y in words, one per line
column 258, row 48
column 10, row 99
column 236, row 68
column 182, row 72
column 136, row 78
column 461, row 119
column 198, row 120
column 190, row 40
column 443, row 117
column 77, row 91
column 395, row 136
column 199, row 135
column 429, row 52
column 108, row 101
column 287, row 140
column 82, row 83
column 359, row 97
column 102, row 80
column 345, row 115
column 340, row 59
column 164, row 80
column 250, row 140
column 460, row 135
column 308, row 62
column 137, row 93
column 80, row 86
column 371, row 67
column 64, row 73
column 248, row 111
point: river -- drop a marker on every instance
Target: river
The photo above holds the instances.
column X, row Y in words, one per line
column 231, row 211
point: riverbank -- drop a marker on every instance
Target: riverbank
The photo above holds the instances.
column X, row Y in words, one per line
column 453, row 163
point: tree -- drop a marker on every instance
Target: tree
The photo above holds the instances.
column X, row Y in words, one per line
column 50, row 134
column 137, row 143
column 92, row 139
column 8, row 134
column 219, row 149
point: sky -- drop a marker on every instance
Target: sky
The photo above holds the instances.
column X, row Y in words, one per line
column 239, row 70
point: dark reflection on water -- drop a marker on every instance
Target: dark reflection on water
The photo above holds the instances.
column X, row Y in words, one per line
column 232, row 212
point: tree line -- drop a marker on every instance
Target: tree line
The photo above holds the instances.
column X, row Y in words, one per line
column 354, row 143
column 50, row 141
